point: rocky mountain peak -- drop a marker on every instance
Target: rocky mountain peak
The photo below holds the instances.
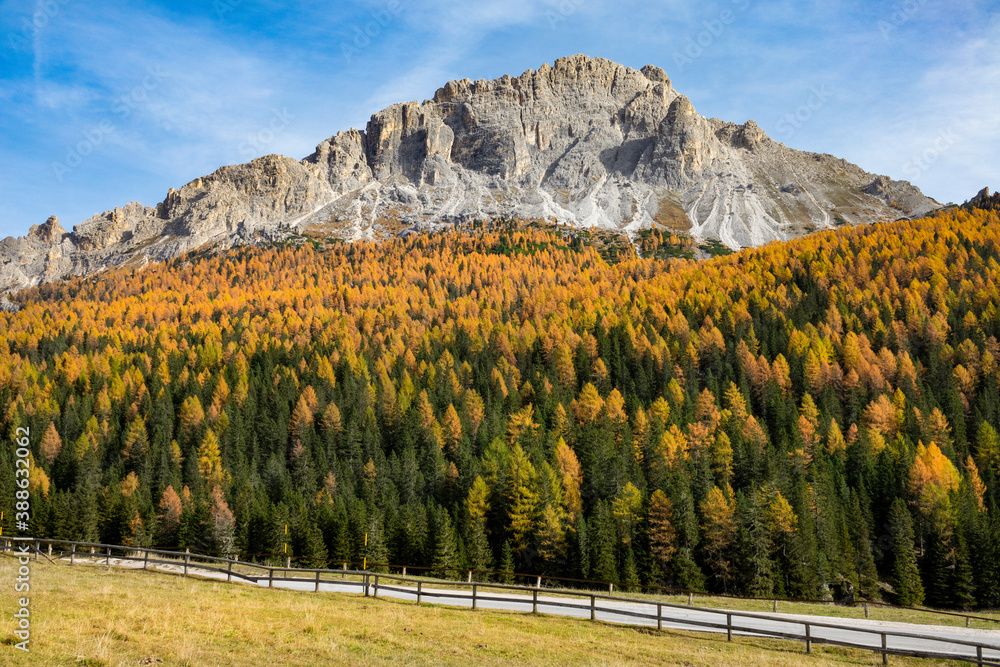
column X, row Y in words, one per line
column 984, row 200
column 49, row 232
column 584, row 141
column 654, row 73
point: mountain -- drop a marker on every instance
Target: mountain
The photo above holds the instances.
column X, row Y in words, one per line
column 984, row 200
column 586, row 142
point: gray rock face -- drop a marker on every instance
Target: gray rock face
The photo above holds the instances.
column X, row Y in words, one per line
column 586, row 142
column 982, row 195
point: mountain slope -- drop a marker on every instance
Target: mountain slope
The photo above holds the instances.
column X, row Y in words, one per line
column 799, row 420
column 586, row 142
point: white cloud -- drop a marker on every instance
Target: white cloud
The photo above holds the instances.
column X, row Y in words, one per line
column 943, row 132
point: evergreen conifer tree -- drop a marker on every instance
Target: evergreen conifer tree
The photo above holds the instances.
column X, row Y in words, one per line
column 445, row 546
column 506, row 564
column 864, row 563
column 906, row 583
column 479, row 555
column 602, row 544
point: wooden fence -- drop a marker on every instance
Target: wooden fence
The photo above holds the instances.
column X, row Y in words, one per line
column 611, row 586
column 372, row 583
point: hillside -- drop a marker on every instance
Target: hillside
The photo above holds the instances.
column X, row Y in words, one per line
column 585, row 142
column 802, row 419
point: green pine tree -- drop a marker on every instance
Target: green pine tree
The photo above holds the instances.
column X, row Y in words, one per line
column 445, row 547
column 864, row 560
column 962, row 582
column 506, row 564
column 937, row 567
column 687, row 574
column 480, row 557
column 602, row 544
column 755, row 570
column 378, row 552
column 312, row 551
column 629, row 570
column 582, row 545
column 906, row 583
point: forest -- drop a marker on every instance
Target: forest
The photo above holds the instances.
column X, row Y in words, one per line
column 809, row 419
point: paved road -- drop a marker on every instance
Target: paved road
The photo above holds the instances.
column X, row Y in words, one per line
column 850, row 631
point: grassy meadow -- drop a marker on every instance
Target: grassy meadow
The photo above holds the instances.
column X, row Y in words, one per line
column 87, row 615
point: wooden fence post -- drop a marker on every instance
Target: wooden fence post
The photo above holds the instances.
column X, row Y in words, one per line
column 729, row 627
column 107, row 562
column 659, row 616
column 474, row 596
column 885, row 653
column 404, row 570
column 270, row 577
column 288, row 564
column 470, row 576
column 72, row 554
column 611, row 589
column 419, row 584
column 145, row 558
column 229, row 571
column 317, row 581
column 534, row 601
column 50, row 551
column 367, row 583
column 979, row 655
column 866, row 608
column 375, row 593
column 809, row 644
column 968, row 619
column 593, row 608
column 775, row 608
column 187, row 559
column 538, row 583
column 38, row 548
column 690, row 597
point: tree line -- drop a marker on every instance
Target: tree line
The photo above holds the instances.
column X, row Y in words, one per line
column 812, row 419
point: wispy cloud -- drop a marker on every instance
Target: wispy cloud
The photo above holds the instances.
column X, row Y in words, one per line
column 177, row 105
column 958, row 97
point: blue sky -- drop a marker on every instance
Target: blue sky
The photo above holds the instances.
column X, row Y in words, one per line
column 105, row 103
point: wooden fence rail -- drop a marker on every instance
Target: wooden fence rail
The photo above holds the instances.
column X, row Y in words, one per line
column 374, row 582
column 661, row 590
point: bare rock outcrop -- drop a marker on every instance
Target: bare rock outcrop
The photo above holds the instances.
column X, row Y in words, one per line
column 266, row 192
column 585, row 141
column 44, row 254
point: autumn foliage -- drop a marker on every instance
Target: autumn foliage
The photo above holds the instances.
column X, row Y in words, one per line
column 507, row 397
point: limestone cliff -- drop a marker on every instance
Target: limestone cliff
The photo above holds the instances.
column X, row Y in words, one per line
column 585, row 141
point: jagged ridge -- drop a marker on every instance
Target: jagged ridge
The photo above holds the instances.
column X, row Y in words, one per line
column 586, row 142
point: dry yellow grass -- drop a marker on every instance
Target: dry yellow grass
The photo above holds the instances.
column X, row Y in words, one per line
column 671, row 214
column 91, row 616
